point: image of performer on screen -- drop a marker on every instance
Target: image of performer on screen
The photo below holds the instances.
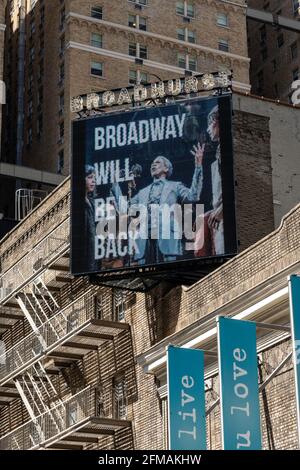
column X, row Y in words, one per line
column 90, row 226
column 211, row 242
column 162, row 191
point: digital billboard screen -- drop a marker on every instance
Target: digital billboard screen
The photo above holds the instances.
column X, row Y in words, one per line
column 153, row 186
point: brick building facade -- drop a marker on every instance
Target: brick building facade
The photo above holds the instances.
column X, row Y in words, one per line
column 74, row 47
column 104, row 365
column 274, row 51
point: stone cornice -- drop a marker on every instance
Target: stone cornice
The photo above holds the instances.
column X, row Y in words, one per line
column 133, row 34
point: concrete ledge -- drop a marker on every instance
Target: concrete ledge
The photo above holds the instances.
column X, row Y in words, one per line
column 30, row 174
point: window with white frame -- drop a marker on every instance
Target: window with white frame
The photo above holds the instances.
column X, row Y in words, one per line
column 96, row 40
column 223, row 45
column 97, row 12
column 137, row 76
column 222, row 19
column 137, row 21
column 97, row 68
column 119, row 304
column 185, row 8
column 120, row 408
column 184, row 34
column 187, row 62
column 139, row 2
column 138, row 50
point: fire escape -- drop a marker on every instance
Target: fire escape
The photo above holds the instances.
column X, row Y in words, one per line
column 59, row 337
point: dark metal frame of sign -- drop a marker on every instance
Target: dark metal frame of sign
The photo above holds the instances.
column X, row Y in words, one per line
column 143, row 279
column 151, row 94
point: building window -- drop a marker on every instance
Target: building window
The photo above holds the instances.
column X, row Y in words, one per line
column 274, row 65
column 60, row 162
column 41, row 70
column 62, row 17
column 97, row 69
column 223, row 45
column 32, row 27
column 61, row 102
column 142, row 23
column 137, row 50
column 99, row 307
column 263, row 34
column 96, row 12
column 42, row 13
column 222, row 19
column 181, row 34
column 185, row 9
column 40, row 96
column 184, row 34
column 140, row 2
column 31, row 54
column 191, row 36
column 264, row 53
column 136, row 77
column 62, row 44
column 62, row 72
column 40, row 125
column 295, row 74
column 296, row 7
column 280, row 40
column 181, row 61
column 30, row 108
column 29, row 136
column 120, row 408
column 132, row 21
column 187, row 62
column 61, row 130
column 132, row 50
column 294, row 50
column 118, row 305
column 136, row 21
column 275, row 88
column 30, row 81
column 96, row 40
column 260, row 81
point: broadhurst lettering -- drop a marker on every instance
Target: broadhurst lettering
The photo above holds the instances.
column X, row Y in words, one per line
column 241, row 392
column 187, row 412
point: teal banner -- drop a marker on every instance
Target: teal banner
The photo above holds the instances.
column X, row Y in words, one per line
column 186, row 400
column 294, row 294
column 240, row 416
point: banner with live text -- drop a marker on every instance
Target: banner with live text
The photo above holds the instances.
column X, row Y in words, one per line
column 186, row 399
column 240, row 416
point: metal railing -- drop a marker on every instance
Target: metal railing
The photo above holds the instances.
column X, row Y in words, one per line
column 35, row 261
column 47, row 336
column 60, row 419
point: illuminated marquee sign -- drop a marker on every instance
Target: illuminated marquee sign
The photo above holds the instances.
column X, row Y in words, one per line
column 159, row 90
